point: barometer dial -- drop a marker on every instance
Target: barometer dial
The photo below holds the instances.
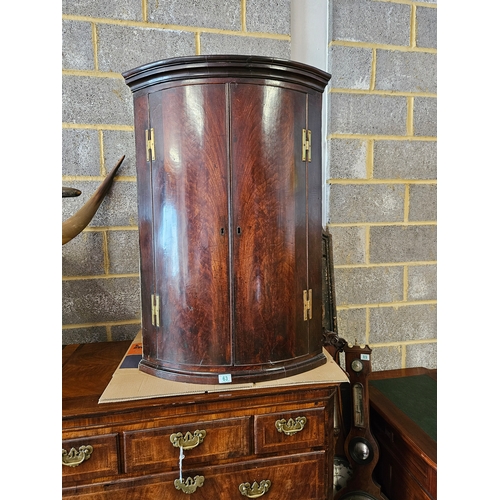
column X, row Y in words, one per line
column 357, row 365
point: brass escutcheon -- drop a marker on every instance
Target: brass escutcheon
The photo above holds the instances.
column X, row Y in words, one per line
column 189, row 486
column 74, row 458
column 256, row 490
column 291, row 427
column 188, row 441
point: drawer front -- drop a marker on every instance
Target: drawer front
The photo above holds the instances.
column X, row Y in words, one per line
column 294, row 477
column 90, row 457
column 396, row 453
column 277, row 432
column 396, row 481
column 152, row 449
column 299, row 477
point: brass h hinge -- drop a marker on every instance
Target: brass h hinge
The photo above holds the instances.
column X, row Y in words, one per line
column 150, row 144
column 306, row 145
column 308, row 304
column 155, row 310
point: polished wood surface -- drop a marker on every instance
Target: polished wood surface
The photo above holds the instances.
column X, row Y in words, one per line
column 230, row 216
column 145, row 218
column 190, row 226
column 226, row 66
column 301, row 478
column 360, row 433
column 407, row 467
column 134, row 458
column 270, row 188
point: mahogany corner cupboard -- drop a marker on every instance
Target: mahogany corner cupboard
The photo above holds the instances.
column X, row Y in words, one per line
column 228, row 152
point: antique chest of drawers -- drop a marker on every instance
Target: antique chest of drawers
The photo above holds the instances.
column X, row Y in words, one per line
column 275, row 442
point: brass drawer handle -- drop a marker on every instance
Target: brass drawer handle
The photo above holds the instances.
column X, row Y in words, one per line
column 291, row 427
column 189, row 441
column 256, row 490
column 74, row 458
column 189, row 486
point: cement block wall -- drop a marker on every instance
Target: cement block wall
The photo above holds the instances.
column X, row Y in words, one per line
column 382, row 156
column 383, row 169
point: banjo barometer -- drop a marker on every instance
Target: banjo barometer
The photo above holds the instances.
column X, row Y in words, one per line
column 360, row 446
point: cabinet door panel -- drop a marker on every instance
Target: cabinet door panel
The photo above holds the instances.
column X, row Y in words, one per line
column 190, row 207
column 269, row 223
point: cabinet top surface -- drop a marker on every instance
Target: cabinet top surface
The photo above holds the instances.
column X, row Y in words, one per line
column 225, row 66
column 88, row 368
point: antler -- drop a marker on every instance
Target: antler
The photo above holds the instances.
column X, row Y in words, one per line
column 77, row 223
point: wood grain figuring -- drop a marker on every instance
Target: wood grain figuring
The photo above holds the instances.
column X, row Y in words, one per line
column 222, row 482
column 133, row 457
column 269, row 440
column 190, row 203
column 152, row 450
column 268, row 315
column 102, row 462
column 232, row 215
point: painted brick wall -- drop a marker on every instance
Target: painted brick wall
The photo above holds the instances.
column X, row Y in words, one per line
column 383, row 169
column 101, row 39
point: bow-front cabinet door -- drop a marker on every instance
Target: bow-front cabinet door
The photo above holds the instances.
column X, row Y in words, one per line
column 276, row 201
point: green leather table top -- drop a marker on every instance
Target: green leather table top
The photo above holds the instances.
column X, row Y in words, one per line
column 416, row 396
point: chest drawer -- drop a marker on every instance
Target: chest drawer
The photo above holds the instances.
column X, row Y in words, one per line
column 278, row 432
column 153, row 450
column 89, row 457
column 400, row 467
column 296, row 477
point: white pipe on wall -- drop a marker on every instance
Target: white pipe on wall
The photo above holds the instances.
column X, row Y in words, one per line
column 309, row 45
